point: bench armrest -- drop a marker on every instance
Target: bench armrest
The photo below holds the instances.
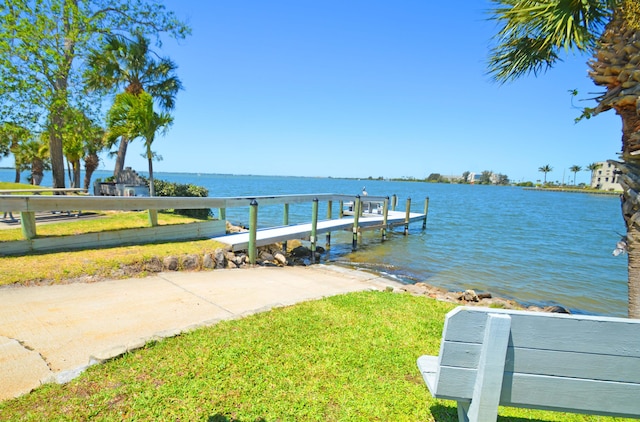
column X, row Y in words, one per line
column 428, row 366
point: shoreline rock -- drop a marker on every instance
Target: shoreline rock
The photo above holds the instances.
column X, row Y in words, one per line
column 471, row 298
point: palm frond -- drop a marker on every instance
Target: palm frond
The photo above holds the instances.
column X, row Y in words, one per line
column 533, row 32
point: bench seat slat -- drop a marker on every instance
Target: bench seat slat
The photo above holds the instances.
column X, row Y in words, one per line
column 550, row 362
column 573, row 365
column 550, row 393
column 579, row 395
column 538, row 330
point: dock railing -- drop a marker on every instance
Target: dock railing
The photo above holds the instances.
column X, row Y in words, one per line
column 29, row 205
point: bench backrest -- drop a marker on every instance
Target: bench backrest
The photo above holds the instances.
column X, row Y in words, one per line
column 560, row 362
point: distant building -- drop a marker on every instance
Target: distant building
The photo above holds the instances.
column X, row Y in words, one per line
column 473, row 178
column 605, row 177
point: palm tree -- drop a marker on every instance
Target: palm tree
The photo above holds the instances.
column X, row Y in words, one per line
column 34, row 155
column 130, row 64
column 94, row 143
column 11, row 137
column 545, row 169
column 132, row 116
column 575, row 169
column 83, row 139
column 593, row 167
column 532, row 36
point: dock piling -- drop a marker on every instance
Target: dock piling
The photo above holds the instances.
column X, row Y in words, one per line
column 253, row 228
column 285, row 222
column 329, row 215
column 356, row 219
column 407, row 217
column 426, row 211
column 314, row 229
column 385, row 217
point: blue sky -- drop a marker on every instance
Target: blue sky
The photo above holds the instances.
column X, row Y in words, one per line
column 366, row 88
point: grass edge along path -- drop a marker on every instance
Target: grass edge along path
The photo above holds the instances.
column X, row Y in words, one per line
column 344, row 358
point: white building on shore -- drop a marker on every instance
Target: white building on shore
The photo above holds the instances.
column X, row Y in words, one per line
column 605, row 178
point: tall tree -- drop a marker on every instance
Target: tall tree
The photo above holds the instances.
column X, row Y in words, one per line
column 575, row 169
column 534, row 33
column 40, row 44
column 545, row 169
column 131, row 66
column 132, row 116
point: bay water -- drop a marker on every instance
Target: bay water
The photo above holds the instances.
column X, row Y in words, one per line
column 534, row 246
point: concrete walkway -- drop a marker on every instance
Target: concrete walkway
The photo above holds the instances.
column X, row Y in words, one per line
column 53, row 333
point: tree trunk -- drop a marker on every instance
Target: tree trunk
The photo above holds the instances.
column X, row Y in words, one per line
column 55, row 152
column 91, row 163
column 17, row 179
column 614, row 67
column 633, row 246
column 122, row 152
column 152, row 191
column 37, row 172
column 76, row 173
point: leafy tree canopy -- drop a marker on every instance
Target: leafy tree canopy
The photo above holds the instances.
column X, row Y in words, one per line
column 43, row 47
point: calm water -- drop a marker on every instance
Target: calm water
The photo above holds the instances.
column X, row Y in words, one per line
column 535, row 247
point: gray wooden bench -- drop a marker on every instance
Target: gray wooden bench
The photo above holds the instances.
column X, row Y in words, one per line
column 569, row 363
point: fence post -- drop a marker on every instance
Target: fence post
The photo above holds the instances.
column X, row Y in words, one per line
column 356, row 218
column 407, row 217
column 341, row 210
column 314, row 229
column 153, row 218
column 28, row 224
column 253, row 227
column 394, row 202
column 426, row 212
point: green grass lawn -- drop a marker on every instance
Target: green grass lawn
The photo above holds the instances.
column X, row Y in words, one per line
column 345, row 358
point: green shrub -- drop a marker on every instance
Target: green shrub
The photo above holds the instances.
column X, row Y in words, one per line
column 164, row 188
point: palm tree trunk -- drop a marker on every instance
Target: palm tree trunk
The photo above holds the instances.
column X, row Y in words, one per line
column 76, row 173
column 614, row 67
column 630, row 202
column 37, row 172
column 633, row 246
column 122, row 152
column 152, row 191
column 91, row 163
column 17, row 179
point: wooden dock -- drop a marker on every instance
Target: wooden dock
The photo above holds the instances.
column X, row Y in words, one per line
column 268, row 236
column 356, row 214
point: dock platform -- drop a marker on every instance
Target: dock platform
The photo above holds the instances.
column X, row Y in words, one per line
column 271, row 235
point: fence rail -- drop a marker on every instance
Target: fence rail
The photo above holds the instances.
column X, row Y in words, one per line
column 28, row 205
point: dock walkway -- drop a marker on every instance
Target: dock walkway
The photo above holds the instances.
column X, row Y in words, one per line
column 268, row 236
